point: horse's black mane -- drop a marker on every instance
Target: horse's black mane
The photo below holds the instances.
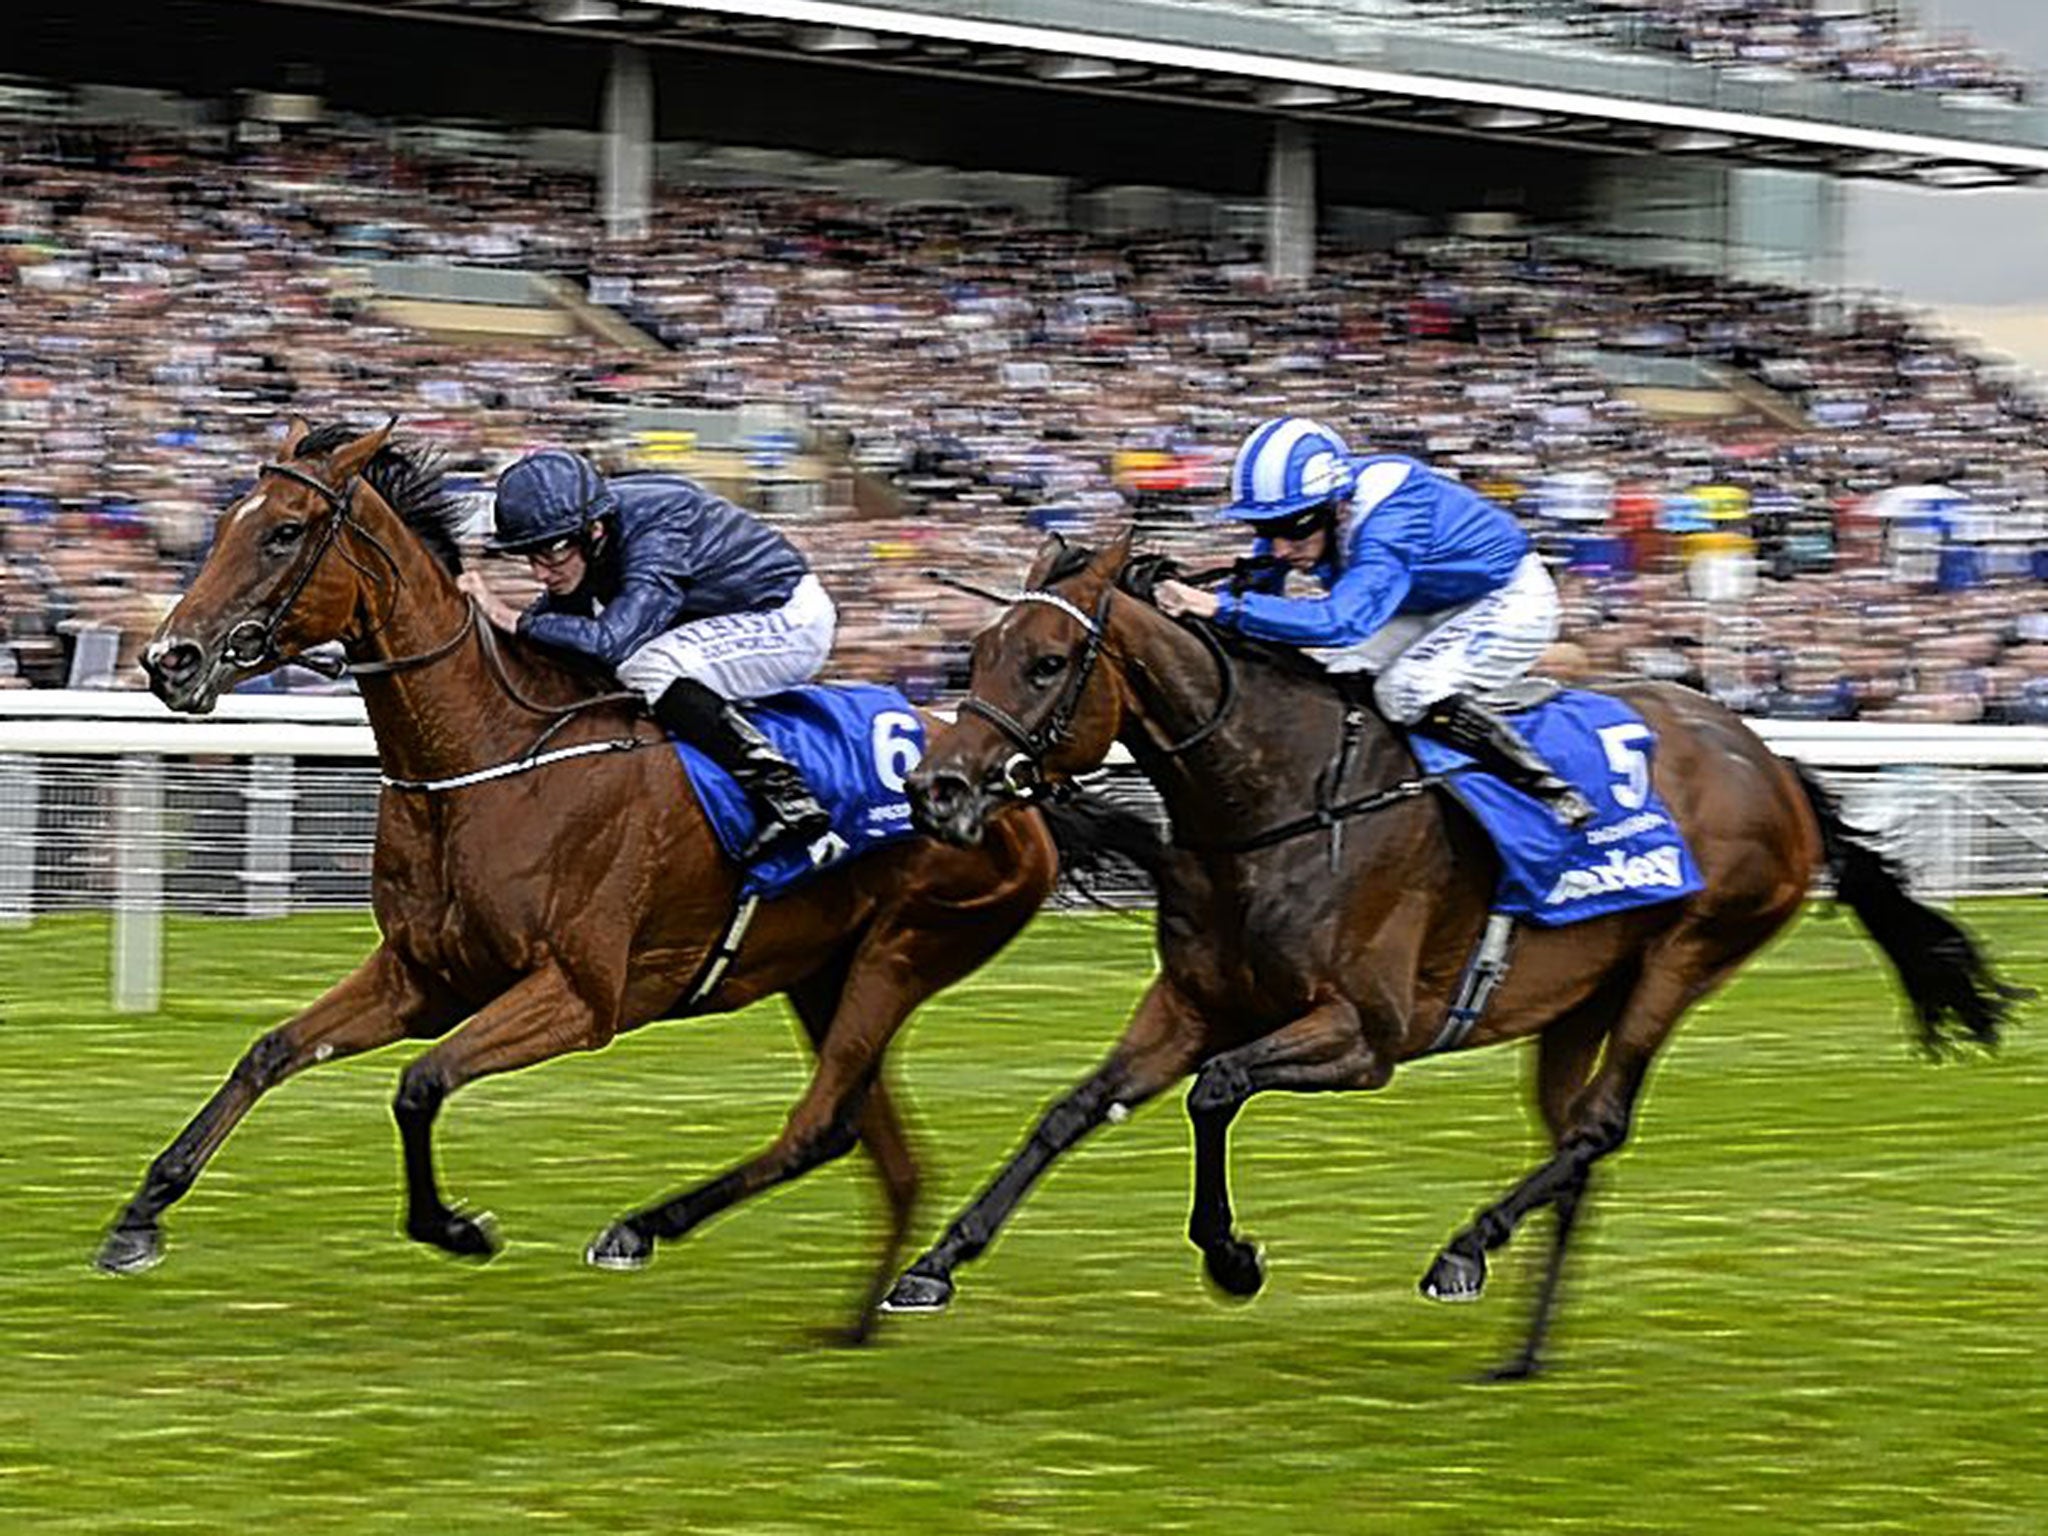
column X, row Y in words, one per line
column 407, row 474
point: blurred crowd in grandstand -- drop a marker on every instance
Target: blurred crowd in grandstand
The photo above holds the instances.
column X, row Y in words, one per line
column 1757, row 39
column 165, row 302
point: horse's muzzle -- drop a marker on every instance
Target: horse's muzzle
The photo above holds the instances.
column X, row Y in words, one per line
column 181, row 675
column 948, row 805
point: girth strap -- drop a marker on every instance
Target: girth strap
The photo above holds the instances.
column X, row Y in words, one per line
column 1484, row 972
column 722, row 956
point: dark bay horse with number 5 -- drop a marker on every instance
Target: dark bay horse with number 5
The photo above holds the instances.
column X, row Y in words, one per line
column 544, row 879
column 1290, row 961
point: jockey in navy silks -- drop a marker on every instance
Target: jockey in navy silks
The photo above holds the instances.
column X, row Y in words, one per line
column 1429, row 585
column 690, row 600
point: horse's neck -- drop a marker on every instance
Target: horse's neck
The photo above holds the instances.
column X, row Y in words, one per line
column 1268, row 758
column 451, row 715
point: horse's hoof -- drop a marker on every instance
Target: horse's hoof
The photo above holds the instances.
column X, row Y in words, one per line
column 1236, row 1268
column 619, row 1246
column 1455, row 1276
column 464, row 1237
column 130, row 1250
column 915, row 1292
column 1521, row 1368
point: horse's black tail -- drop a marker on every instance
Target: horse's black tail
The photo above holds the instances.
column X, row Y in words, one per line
column 1098, row 840
column 1955, row 995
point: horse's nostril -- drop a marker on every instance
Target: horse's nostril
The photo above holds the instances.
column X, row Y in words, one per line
column 174, row 662
column 945, row 788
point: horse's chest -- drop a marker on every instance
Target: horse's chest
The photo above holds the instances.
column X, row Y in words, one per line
column 1238, row 953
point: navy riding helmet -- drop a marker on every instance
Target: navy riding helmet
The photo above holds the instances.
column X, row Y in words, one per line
column 549, row 495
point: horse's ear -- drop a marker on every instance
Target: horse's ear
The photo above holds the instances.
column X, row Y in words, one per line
column 350, row 458
column 1048, row 552
column 1114, row 555
column 295, row 433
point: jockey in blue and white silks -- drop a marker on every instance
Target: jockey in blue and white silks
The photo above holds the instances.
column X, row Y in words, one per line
column 1427, row 584
column 690, row 600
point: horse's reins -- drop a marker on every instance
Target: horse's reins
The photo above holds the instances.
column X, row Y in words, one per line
column 264, row 632
column 1022, row 775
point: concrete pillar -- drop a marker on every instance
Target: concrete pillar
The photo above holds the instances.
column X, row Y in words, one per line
column 1291, row 205
column 626, row 191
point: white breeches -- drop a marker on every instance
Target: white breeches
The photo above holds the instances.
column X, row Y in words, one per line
column 1421, row 658
column 741, row 655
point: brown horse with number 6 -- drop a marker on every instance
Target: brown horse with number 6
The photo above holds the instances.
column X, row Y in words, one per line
column 544, row 879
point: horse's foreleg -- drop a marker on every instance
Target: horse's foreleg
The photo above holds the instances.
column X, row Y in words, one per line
column 1163, row 1041
column 1322, row 1050
column 382, row 1000
column 541, row 1016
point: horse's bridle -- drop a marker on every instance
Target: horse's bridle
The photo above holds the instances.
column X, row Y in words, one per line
column 252, row 641
column 1022, row 774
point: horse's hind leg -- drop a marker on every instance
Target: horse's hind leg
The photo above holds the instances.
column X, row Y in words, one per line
column 888, row 978
column 382, row 1000
column 1565, row 1054
column 1163, row 1041
column 1674, row 975
column 881, row 1132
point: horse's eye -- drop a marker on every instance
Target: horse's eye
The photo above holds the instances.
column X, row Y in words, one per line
column 284, row 536
column 1044, row 669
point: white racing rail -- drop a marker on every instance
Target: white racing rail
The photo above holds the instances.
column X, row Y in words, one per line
column 108, row 802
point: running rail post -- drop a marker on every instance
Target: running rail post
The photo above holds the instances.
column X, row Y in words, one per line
column 17, row 839
column 137, row 957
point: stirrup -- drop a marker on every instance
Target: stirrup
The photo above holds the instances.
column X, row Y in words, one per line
column 1568, row 806
column 772, row 834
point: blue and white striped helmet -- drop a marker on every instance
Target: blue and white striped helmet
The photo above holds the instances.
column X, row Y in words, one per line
column 1288, row 465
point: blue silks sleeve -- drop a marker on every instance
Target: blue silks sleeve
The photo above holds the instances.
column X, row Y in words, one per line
column 647, row 605
column 1375, row 579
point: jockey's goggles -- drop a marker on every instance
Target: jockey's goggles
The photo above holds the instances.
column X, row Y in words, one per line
column 1295, row 526
column 552, row 551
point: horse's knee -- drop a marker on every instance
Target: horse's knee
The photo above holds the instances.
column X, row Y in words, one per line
column 1220, row 1088
column 420, row 1092
column 1073, row 1116
column 265, row 1063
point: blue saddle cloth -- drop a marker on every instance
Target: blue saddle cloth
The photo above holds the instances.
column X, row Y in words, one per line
column 854, row 743
column 1631, row 855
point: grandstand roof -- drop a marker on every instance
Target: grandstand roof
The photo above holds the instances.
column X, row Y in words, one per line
column 1341, row 67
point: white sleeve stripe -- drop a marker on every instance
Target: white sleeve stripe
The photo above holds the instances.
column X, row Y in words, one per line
column 1376, row 485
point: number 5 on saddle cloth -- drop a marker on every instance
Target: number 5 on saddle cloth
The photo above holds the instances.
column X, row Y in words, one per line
column 1632, row 854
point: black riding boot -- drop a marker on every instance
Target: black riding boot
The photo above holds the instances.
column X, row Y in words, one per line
column 1502, row 750
column 789, row 812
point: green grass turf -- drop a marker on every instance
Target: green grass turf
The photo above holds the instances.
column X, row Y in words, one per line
column 1809, row 1298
